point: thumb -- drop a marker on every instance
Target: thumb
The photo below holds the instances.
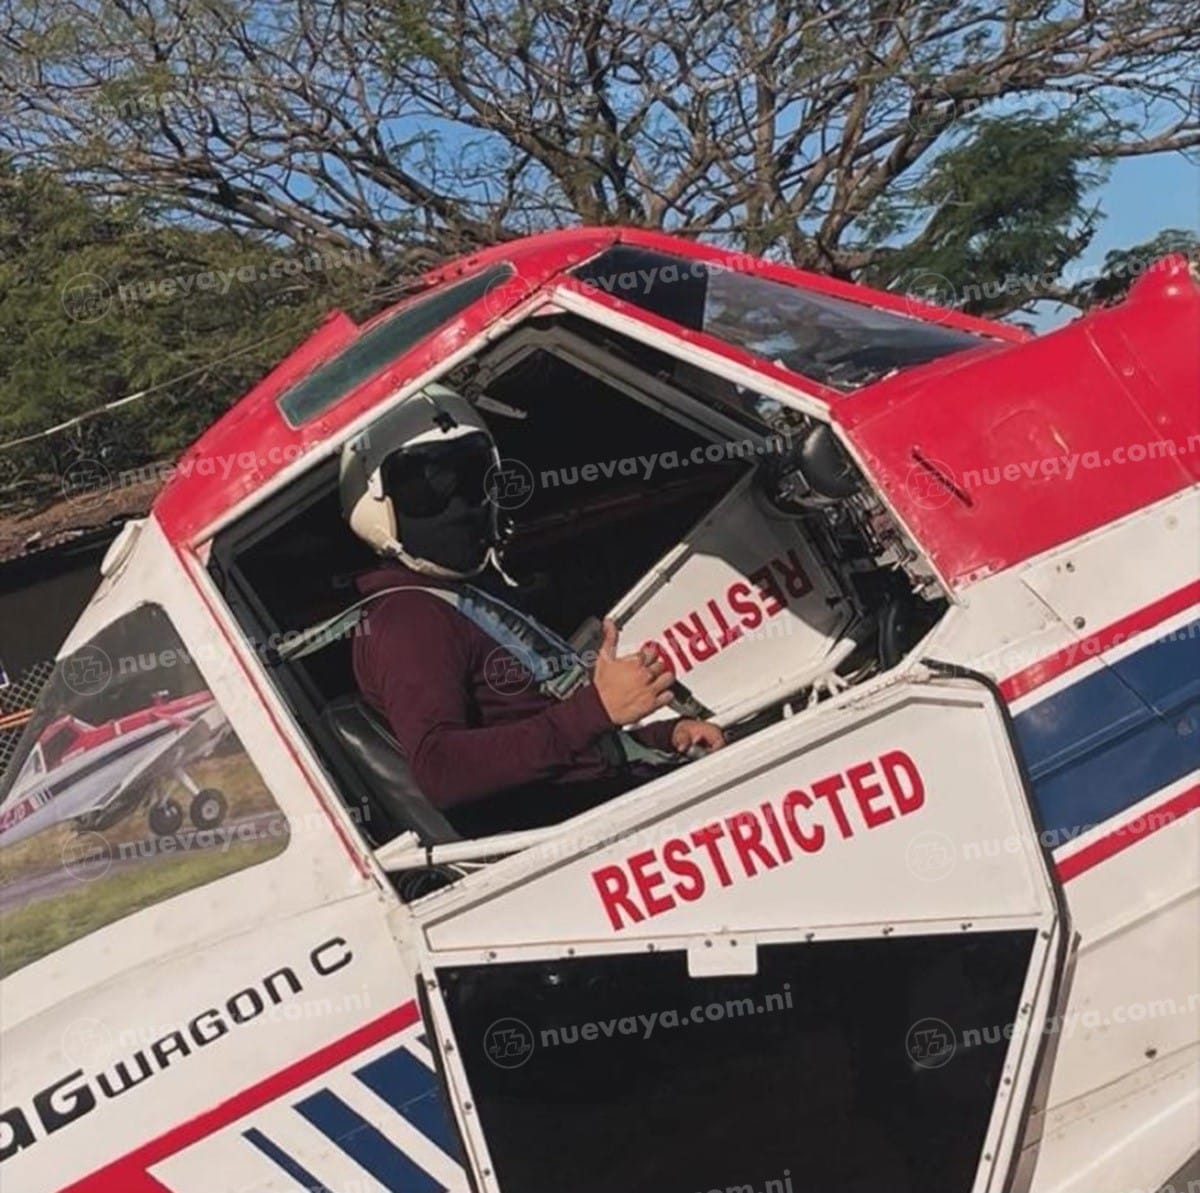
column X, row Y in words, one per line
column 608, row 644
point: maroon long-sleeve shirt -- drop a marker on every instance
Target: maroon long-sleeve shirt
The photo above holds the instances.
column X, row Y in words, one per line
column 465, row 711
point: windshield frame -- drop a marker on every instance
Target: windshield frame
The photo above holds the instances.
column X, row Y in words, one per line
column 683, row 291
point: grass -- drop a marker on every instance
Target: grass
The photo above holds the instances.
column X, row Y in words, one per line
column 233, row 773
column 36, row 929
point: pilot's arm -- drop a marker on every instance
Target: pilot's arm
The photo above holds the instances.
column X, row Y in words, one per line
column 415, row 663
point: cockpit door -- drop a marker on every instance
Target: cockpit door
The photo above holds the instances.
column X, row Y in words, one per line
column 828, row 958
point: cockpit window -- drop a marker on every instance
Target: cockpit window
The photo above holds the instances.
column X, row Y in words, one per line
column 375, row 348
column 838, row 343
column 57, row 742
column 128, row 787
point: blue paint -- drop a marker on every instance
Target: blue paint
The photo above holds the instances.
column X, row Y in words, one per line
column 366, row 1145
column 293, row 1168
column 411, row 1090
column 1116, row 736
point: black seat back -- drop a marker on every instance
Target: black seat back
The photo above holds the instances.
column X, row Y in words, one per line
column 375, row 755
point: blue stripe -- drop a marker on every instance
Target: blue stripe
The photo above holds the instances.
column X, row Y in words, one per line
column 296, row 1171
column 1166, row 674
column 410, row 1089
column 366, row 1145
column 1117, row 736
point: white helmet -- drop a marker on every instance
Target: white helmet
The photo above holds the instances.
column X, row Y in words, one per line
column 415, row 485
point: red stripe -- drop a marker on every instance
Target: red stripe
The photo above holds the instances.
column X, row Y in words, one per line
column 1130, row 834
column 129, row 1175
column 1086, row 649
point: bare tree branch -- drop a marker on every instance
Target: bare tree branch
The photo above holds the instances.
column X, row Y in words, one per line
column 786, row 128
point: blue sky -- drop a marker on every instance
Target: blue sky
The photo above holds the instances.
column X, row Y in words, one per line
column 1143, row 195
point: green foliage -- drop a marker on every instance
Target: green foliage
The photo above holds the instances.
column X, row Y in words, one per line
column 228, row 139
column 1005, row 210
column 100, row 302
column 1122, row 267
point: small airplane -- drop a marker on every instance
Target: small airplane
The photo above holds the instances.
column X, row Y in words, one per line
column 926, row 924
column 96, row 775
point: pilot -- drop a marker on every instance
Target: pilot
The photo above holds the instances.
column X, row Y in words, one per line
column 502, row 724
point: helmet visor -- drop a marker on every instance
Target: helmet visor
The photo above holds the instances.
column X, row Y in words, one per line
column 423, row 480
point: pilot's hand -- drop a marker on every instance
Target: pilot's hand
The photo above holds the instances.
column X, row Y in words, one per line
column 632, row 686
column 696, row 737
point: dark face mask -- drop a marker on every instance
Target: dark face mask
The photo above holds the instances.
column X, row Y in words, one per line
column 457, row 539
column 442, row 511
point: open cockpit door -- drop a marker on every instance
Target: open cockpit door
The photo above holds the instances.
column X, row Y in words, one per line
column 827, row 958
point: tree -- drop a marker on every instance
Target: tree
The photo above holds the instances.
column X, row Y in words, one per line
column 1007, row 209
column 863, row 140
column 1122, row 267
column 100, row 301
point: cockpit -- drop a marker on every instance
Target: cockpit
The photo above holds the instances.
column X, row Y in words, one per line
column 722, row 526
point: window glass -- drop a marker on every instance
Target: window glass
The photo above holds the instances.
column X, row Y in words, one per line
column 838, row 343
column 57, row 741
column 388, row 339
column 129, row 786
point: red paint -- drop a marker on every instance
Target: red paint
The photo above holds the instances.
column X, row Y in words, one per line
column 1130, row 834
column 704, row 632
column 680, row 654
column 708, row 838
column 867, row 791
column 749, row 612
column 180, row 713
column 129, row 1175
column 829, row 790
column 728, row 634
column 810, row 840
column 746, row 833
column 612, row 885
column 695, row 637
column 789, row 275
column 190, row 503
column 777, row 835
column 1094, row 645
column 691, row 884
column 1113, row 378
column 904, row 781
column 795, row 578
column 647, row 881
column 769, row 590
column 1114, row 383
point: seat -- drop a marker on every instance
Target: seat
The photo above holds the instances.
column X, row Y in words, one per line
column 376, row 757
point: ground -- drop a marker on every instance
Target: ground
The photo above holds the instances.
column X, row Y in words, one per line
column 59, row 885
